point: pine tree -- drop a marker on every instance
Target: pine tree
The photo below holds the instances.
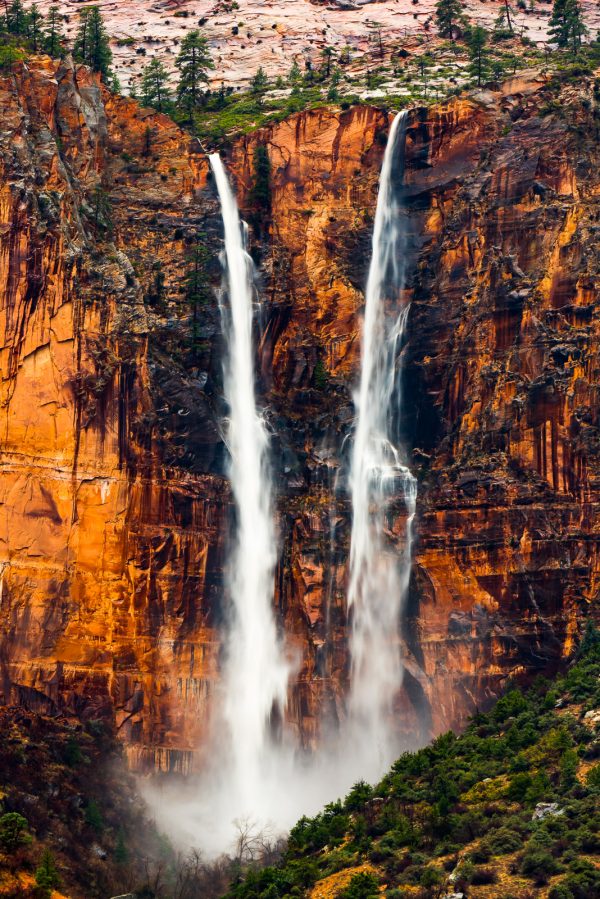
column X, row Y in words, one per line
column 503, row 26
column 13, row 831
column 448, row 13
column 92, row 43
column 260, row 82
column 576, row 25
column 17, row 18
column 327, row 56
column 46, row 876
column 566, row 27
column 35, row 27
column 121, row 852
column 194, row 63
column 479, row 65
column 155, row 90
column 295, row 74
column 197, row 290
column 53, row 33
column 260, row 192
column 557, row 27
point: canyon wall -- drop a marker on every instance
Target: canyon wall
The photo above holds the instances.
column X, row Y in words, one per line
column 113, row 470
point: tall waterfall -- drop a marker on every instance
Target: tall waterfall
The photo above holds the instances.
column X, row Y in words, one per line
column 253, row 777
column 256, row 674
column 379, row 575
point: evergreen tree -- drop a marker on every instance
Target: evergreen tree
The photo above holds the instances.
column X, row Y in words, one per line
column 333, row 94
column 557, row 27
column 327, row 56
column 35, row 26
column 53, row 33
column 197, row 290
column 295, row 74
column 155, row 89
column 448, row 13
column 194, row 63
column 13, row 831
column 260, row 193
column 576, row 25
column 46, row 876
column 566, row 27
column 91, row 43
column 121, row 852
column 260, row 82
column 503, row 26
column 17, row 18
column 479, row 65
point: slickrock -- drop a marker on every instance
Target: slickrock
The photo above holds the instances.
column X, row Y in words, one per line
column 271, row 33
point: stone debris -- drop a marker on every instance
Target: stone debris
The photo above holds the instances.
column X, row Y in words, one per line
column 545, row 810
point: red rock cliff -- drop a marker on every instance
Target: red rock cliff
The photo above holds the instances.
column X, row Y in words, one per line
column 114, row 499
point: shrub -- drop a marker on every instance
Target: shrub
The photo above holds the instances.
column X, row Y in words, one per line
column 93, row 816
column 586, row 841
column 593, row 777
column 481, row 853
column 518, row 787
column 73, row 754
column 361, row 886
column 504, row 841
column 583, row 880
column 483, row 876
column 9, row 56
column 560, row 891
column 538, row 864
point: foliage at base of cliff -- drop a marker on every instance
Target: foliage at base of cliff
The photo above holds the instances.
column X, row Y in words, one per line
column 71, row 821
column 509, row 809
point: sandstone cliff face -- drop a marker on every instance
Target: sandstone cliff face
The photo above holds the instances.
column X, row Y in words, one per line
column 108, row 555
column 500, row 397
column 112, row 480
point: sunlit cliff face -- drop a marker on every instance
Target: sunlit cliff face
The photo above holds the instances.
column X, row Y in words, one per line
column 113, row 486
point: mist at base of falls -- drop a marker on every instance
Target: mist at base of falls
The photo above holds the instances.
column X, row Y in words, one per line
column 205, row 812
column 253, row 779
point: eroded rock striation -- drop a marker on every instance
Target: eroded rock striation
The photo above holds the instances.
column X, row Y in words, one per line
column 113, row 472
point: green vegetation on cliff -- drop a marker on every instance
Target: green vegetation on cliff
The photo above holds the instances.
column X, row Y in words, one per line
column 509, row 809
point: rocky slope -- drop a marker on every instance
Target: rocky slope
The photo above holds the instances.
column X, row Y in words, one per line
column 112, row 478
column 76, row 800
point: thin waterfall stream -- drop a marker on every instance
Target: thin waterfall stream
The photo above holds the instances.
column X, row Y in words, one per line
column 379, row 574
column 256, row 672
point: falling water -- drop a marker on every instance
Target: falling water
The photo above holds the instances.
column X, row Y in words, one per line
column 379, row 574
column 253, row 776
column 256, row 675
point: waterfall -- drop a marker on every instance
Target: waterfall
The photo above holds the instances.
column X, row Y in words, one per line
column 251, row 777
column 379, row 574
column 256, row 673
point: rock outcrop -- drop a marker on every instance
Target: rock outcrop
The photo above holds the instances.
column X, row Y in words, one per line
column 112, row 481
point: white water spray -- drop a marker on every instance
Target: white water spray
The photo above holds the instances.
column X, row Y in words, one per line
column 256, row 674
column 379, row 575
